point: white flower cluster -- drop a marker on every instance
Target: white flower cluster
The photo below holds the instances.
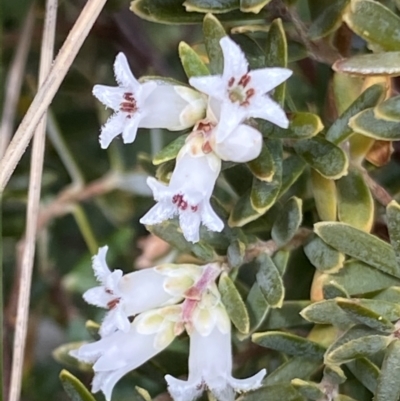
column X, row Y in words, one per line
column 163, row 302
column 217, row 109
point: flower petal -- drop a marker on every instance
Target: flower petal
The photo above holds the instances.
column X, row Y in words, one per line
column 251, row 383
column 111, row 96
column 182, row 390
column 210, row 219
column 231, row 116
column 112, row 128
column 190, row 225
column 266, row 108
column 123, row 74
column 212, row 85
column 163, row 210
column 264, row 80
column 97, row 296
column 235, row 63
column 130, row 128
column 99, row 265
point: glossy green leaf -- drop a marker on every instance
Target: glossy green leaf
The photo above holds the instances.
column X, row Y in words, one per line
column 307, row 389
column 285, row 317
column 387, row 64
column 393, row 224
column 170, row 151
column 325, row 196
column 302, row 125
column 173, row 12
column 93, row 329
column 252, row 6
column 388, row 386
column 365, row 371
column 373, row 279
column 360, row 314
column 329, row 20
column 323, row 156
column 254, row 53
column 289, row 344
column 270, row 281
column 323, row 257
column 233, row 303
column 389, row 109
column 263, row 167
column 243, row 212
column 296, row 367
column 355, row 203
column 74, row 388
column 277, row 392
column 367, row 124
column 375, row 23
column 263, row 194
column 360, row 245
column 339, row 130
column 257, row 307
column 276, row 54
column 191, row 61
column 213, row 32
column 332, row 290
column 287, row 222
column 292, row 168
column 214, row 6
column 61, row 355
column 362, row 347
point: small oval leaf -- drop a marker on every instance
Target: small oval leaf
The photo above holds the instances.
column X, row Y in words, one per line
column 170, row 151
column 74, row 388
column 325, row 197
column 213, row 32
column 191, row 62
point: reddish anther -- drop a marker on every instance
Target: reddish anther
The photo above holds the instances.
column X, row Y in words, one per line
column 231, row 82
column 244, row 80
column 113, row 303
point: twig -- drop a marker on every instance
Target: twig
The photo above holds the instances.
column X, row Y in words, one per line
column 14, row 80
column 49, row 88
column 378, row 192
column 21, row 325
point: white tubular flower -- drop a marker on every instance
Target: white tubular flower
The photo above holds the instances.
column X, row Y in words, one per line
column 188, row 193
column 145, row 105
column 210, row 358
column 243, row 93
column 133, row 293
column 119, row 353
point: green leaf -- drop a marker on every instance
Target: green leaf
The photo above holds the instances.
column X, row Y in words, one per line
column 263, row 194
column 287, row 222
column 74, row 388
column 302, row 125
column 170, row 151
column 375, row 23
column 270, row 281
column 355, row 203
column 233, row 303
column 276, row 54
column 93, row 329
column 391, row 294
column 360, row 245
column 281, row 259
column 357, row 342
column 257, row 307
column 173, row 12
column 61, row 355
column 292, row 168
column 214, row 6
column 263, row 167
column 243, row 212
column 324, row 257
column 191, row 61
column 323, row 156
column 213, row 32
column 389, row 109
column 393, row 224
column 386, row 64
column 373, row 279
column 287, row 316
column 277, row 392
column 326, row 312
column 346, row 89
column 388, row 386
column 296, row 367
column 239, row 178
column 367, row 124
column 334, row 374
column 365, row 371
column 235, row 254
column 307, row 389
column 360, row 314
column 252, row 6
column 333, row 290
column 325, row 196
column 289, row 344
column 339, row 130
column 253, row 51
column 329, row 20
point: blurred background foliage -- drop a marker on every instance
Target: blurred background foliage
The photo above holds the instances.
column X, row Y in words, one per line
column 340, row 162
